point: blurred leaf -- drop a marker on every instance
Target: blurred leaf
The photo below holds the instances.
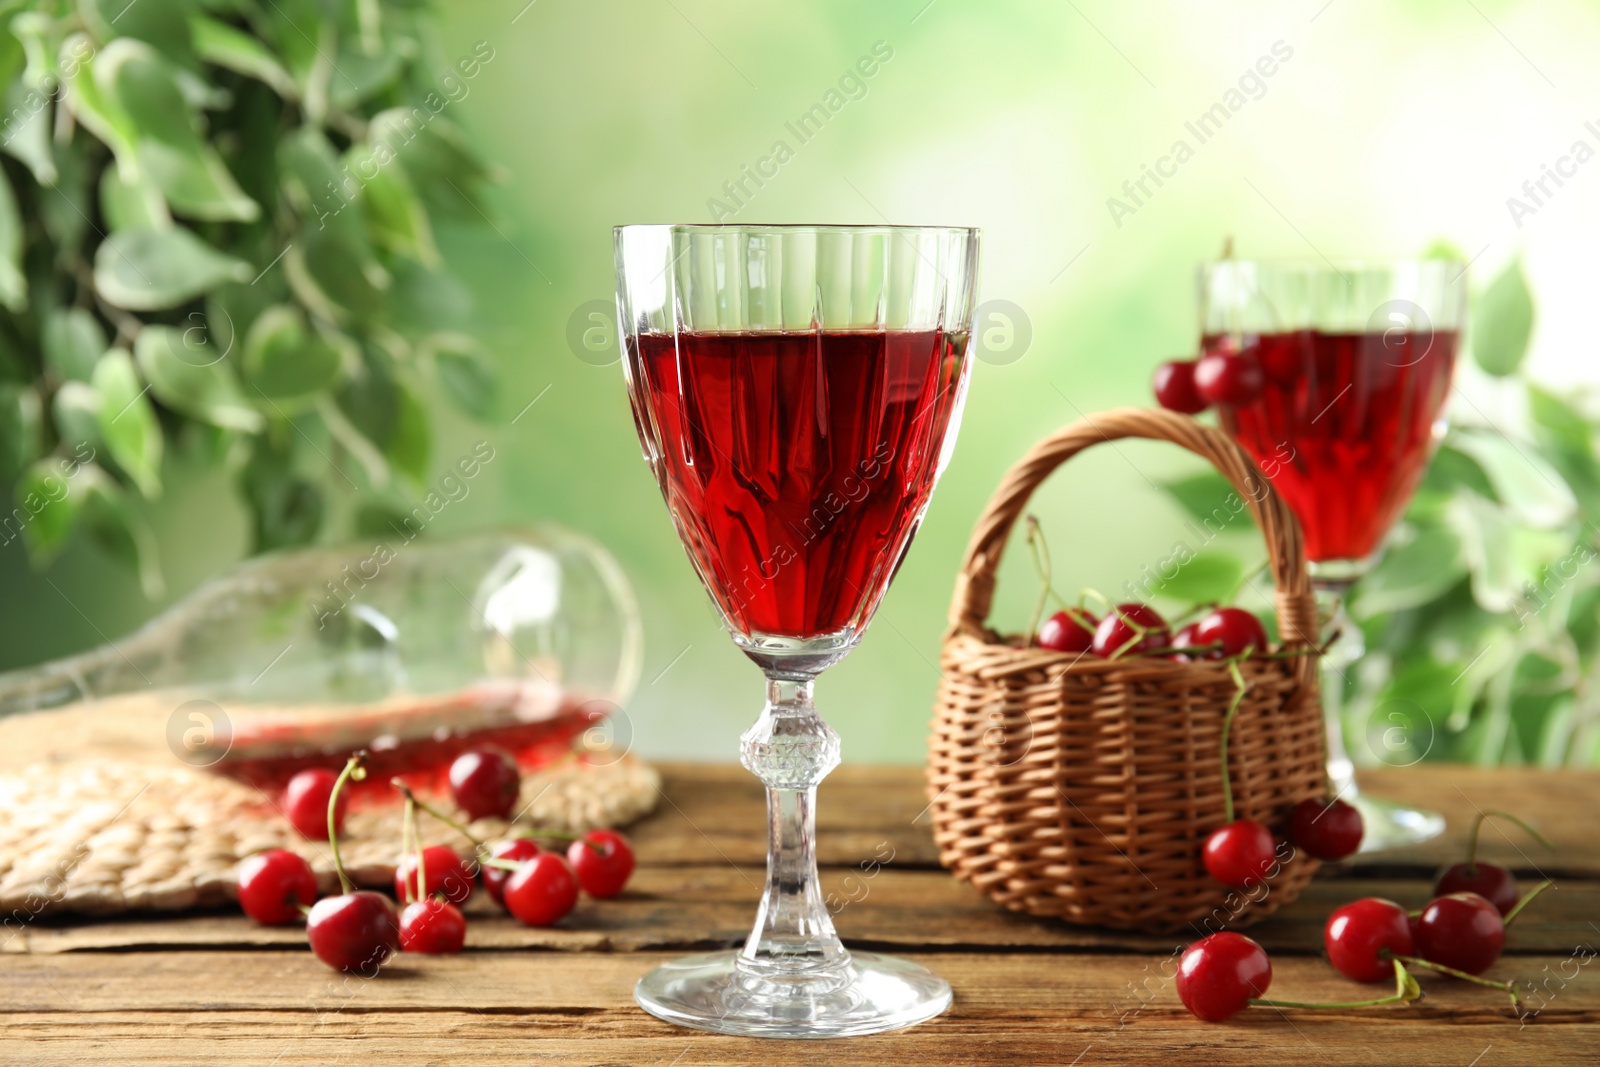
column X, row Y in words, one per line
column 410, row 445
column 112, row 521
column 1503, row 322
column 129, row 207
column 288, row 508
column 1444, row 249
column 188, row 373
column 1522, row 480
column 65, row 210
column 1413, row 574
column 164, row 25
column 465, row 371
column 13, row 287
column 27, row 130
column 19, row 428
column 233, row 49
column 1485, row 536
column 394, row 214
column 76, row 409
column 1210, row 499
column 359, row 76
column 51, row 509
column 73, row 343
column 433, row 151
column 128, row 422
column 1209, row 576
column 284, row 360
column 146, row 270
column 422, row 301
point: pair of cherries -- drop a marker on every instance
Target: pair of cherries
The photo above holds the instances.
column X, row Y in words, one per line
column 358, row 930
column 1224, row 377
column 1139, row 629
column 1244, row 851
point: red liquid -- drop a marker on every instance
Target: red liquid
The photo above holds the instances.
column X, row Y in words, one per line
column 796, row 465
column 1344, row 427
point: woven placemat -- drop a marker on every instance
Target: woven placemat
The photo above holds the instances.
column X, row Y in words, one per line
column 98, row 837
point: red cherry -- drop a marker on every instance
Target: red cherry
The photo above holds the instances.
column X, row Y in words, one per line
column 1228, row 379
column 542, row 891
column 305, row 802
column 274, row 885
column 484, row 783
column 353, row 931
column 1360, row 938
column 1218, row 975
column 1329, row 831
column 602, row 860
column 1490, row 881
column 445, row 871
column 1239, row 853
column 1129, row 629
column 432, row 926
column 1174, row 387
column 1461, row 930
column 1233, row 630
column 494, row 878
column 1068, row 631
column 1183, row 639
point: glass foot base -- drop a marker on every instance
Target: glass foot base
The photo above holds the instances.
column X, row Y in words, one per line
column 872, row 994
column 1389, row 825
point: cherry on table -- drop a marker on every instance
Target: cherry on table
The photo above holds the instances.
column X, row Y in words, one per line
column 542, row 891
column 1128, row 629
column 1239, row 853
column 1071, row 630
column 1490, row 881
column 1224, row 378
column 494, row 878
column 602, row 861
column 1361, row 936
column 1218, row 975
column 1328, row 831
column 1461, row 930
column 432, row 926
column 1174, row 387
column 275, row 885
column 353, row 931
column 305, row 803
column 1232, row 630
column 484, row 783
column 445, row 873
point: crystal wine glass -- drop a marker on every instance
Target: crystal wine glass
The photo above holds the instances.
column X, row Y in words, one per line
column 1356, row 360
column 797, row 391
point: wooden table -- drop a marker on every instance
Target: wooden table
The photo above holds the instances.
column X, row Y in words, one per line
column 215, row 988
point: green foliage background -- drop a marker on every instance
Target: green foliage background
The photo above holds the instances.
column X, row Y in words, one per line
column 1389, row 127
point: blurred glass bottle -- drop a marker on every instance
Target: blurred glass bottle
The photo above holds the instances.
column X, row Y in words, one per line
column 415, row 651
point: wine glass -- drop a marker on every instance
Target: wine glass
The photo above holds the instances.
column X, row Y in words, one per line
column 1355, row 364
column 797, row 391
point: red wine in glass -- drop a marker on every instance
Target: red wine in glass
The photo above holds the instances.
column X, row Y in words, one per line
column 798, row 464
column 1344, row 426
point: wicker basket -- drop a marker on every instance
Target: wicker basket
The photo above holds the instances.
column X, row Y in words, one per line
column 1083, row 788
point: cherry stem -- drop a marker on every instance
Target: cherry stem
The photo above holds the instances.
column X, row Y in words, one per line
column 1222, row 745
column 1040, row 553
column 1526, row 900
column 435, row 812
column 1477, row 825
column 410, row 839
column 500, row 864
column 1246, row 579
column 352, row 769
column 1508, row 986
column 1406, row 990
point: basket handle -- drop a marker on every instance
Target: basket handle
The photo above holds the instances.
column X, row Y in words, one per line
column 1297, row 611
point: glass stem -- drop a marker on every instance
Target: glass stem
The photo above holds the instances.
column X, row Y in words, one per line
column 1342, row 650
column 791, row 750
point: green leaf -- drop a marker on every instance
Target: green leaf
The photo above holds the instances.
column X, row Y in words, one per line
column 465, row 371
column 196, row 183
column 409, row 447
column 147, row 270
column 1523, row 480
column 284, row 360
column 19, row 427
column 73, row 343
column 1210, row 500
column 1209, row 576
column 233, row 49
column 132, row 207
column 189, row 373
column 76, row 411
column 1503, row 322
column 396, row 217
column 128, row 421
column 360, row 76
column 288, row 508
column 50, row 507
column 1485, row 535
column 1560, row 424
column 116, row 526
column 27, row 131
column 13, row 286
column 1412, row 574
column 163, row 25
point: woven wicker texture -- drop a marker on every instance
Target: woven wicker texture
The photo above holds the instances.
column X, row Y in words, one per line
column 1083, row 788
column 98, row 837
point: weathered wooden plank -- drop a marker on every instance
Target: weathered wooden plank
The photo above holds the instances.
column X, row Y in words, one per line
column 687, row 907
